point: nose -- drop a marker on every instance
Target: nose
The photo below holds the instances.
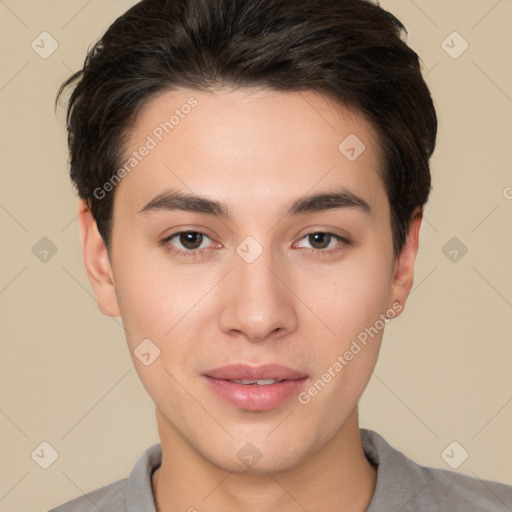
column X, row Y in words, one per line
column 257, row 300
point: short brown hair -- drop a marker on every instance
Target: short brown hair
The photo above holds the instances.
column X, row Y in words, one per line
column 348, row 49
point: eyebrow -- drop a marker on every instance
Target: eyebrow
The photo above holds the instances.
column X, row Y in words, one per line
column 171, row 200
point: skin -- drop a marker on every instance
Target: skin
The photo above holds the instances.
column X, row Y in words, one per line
column 256, row 151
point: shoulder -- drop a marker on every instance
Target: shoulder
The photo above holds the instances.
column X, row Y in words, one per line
column 472, row 492
column 404, row 485
column 132, row 494
column 110, row 497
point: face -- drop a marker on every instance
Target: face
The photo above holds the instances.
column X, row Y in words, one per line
column 251, row 278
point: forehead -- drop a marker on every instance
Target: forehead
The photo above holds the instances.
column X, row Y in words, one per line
column 249, row 144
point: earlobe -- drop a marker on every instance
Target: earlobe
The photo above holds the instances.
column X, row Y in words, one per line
column 97, row 263
column 404, row 265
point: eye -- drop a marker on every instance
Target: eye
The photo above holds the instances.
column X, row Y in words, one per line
column 191, row 241
column 195, row 243
column 320, row 241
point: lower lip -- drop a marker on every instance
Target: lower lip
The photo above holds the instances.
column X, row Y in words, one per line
column 254, row 397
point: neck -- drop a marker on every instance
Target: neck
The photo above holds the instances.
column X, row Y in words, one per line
column 338, row 477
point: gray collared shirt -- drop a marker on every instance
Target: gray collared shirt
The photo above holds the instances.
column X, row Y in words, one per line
column 402, row 486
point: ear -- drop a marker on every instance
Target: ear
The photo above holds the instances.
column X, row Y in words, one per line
column 403, row 272
column 97, row 263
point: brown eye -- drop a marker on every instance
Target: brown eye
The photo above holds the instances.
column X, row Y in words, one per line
column 190, row 239
column 187, row 243
column 324, row 242
column 319, row 240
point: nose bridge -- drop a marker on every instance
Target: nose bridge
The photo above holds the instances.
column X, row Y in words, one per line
column 258, row 303
column 255, row 271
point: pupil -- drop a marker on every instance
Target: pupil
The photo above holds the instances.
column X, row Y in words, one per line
column 187, row 239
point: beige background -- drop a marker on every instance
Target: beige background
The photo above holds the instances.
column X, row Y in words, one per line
column 445, row 368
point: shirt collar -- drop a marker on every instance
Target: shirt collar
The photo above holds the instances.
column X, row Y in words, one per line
column 399, row 479
column 139, row 491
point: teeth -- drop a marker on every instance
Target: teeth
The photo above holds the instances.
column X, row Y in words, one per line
column 261, row 382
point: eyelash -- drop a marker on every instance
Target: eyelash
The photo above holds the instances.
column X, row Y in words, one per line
column 194, row 253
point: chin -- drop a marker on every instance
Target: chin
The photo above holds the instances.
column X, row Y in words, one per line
column 261, row 455
column 274, row 463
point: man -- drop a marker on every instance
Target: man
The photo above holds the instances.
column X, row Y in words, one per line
column 252, row 177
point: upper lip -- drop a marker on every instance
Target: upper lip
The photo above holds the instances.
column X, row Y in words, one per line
column 248, row 372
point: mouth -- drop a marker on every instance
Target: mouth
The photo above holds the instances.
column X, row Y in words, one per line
column 255, row 388
column 261, row 382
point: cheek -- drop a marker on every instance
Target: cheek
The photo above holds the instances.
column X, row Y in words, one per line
column 158, row 303
column 167, row 304
column 151, row 298
column 356, row 297
column 350, row 297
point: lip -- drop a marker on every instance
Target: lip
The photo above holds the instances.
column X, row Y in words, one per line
column 255, row 397
column 246, row 371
